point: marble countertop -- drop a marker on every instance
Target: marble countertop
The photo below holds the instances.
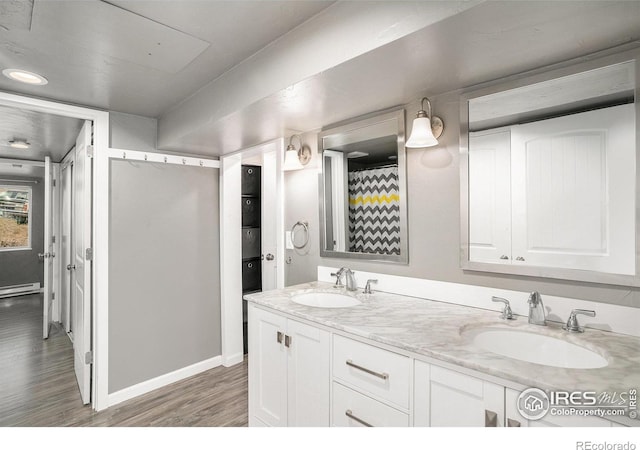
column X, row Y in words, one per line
column 438, row 330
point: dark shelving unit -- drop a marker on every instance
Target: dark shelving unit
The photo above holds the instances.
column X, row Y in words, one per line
column 251, row 184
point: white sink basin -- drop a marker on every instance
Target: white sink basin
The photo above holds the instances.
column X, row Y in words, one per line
column 325, row 300
column 536, row 348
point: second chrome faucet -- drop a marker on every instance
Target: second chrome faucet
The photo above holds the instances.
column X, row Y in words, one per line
column 537, row 315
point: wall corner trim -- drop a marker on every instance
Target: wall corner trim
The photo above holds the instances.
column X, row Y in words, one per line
column 232, row 360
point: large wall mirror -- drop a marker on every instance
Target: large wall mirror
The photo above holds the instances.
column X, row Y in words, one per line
column 549, row 174
column 363, row 195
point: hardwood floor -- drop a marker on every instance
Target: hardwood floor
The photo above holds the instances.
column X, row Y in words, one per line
column 38, row 385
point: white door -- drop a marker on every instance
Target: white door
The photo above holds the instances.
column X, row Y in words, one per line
column 308, row 375
column 48, row 253
column 66, row 251
column 267, row 368
column 82, row 274
column 272, row 218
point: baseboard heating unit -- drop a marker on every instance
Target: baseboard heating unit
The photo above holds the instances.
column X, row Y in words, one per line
column 19, row 289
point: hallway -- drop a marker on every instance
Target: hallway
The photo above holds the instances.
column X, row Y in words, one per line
column 38, row 385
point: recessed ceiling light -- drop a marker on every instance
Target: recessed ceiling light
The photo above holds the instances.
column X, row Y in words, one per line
column 24, row 76
column 19, row 143
column 353, row 155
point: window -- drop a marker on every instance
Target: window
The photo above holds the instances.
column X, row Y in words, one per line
column 15, row 218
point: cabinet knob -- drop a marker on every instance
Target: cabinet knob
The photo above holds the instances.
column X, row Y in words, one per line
column 270, row 257
column 279, row 337
column 511, row 423
column 490, row 418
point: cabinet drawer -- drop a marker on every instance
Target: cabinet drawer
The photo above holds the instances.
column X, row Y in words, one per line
column 379, row 372
column 251, row 275
column 250, row 184
column 353, row 409
column 251, row 243
column 250, row 212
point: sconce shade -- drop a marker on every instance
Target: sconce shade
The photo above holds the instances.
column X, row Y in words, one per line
column 427, row 128
column 421, row 134
column 291, row 160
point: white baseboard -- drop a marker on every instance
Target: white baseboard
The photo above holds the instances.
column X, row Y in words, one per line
column 19, row 289
column 619, row 319
column 163, row 380
column 232, row 360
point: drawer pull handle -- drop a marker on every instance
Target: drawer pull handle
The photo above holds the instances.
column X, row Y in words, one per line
column 490, row 418
column 384, row 376
column 350, row 415
column 512, row 423
column 287, row 340
column 279, row 338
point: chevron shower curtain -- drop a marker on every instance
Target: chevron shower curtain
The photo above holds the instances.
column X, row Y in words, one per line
column 374, row 211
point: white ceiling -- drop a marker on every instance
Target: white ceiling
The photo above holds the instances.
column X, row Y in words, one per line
column 48, row 134
column 137, row 56
column 176, row 59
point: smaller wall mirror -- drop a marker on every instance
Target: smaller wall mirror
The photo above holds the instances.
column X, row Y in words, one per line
column 548, row 175
column 363, row 195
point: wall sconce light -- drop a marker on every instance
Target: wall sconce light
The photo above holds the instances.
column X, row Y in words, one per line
column 427, row 128
column 296, row 159
column 19, row 143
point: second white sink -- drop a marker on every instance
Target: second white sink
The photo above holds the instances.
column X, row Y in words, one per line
column 536, row 348
column 325, row 300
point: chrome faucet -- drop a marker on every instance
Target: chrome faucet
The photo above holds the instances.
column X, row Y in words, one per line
column 338, row 276
column 352, row 284
column 536, row 309
column 507, row 314
column 572, row 324
column 367, row 288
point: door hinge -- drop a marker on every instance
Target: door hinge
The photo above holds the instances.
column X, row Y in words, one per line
column 53, row 239
column 90, row 151
column 53, row 296
column 54, row 183
column 88, row 255
column 88, row 358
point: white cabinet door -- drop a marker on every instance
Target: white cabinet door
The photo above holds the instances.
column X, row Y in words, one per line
column 289, row 372
column 573, row 192
column 458, row 400
column 490, row 196
column 267, row 368
column 308, row 375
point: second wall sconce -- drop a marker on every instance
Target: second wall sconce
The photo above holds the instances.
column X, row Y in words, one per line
column 427, row 128
column 296, row 159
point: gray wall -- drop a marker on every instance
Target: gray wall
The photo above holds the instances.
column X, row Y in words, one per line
column 130, row 132
column 164, row 274
column 434, row 216
column 23, row 266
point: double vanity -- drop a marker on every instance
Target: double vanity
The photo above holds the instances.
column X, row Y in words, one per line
column 321, row 355
column 548, row 189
